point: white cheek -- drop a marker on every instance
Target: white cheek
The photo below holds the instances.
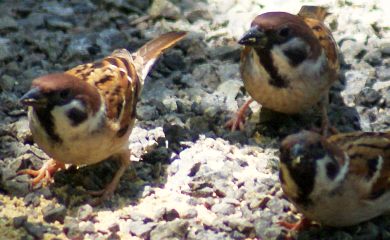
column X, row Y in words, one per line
column 308, row 69
column 59, row 113
column 63, row 125
column 322, row 182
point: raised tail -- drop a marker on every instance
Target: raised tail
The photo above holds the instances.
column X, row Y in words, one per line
column 315, row 12
column 154, row 48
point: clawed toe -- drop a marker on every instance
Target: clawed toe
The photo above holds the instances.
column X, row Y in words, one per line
column 45, row 173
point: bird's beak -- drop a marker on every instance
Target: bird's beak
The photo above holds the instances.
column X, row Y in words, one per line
column 254, row 36
column 34, row 98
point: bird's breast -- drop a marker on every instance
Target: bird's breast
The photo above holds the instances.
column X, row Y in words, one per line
column 78, row 146
column 300, row 92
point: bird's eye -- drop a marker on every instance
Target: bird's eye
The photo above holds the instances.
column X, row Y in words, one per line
column 284, row 32
column 64, row 94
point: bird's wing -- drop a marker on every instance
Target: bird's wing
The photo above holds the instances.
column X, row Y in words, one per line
column 369, row 154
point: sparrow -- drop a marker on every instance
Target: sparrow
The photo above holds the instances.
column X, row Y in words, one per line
column 288, row 63
column 86, row 114
column 337, row 181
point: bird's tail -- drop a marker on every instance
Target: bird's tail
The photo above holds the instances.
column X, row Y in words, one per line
column 315, row 12
column 150, row 51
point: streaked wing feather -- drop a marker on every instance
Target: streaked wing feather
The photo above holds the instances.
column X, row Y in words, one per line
column 326, row 40
column 117, row 81
column 315, row 12
column 363, row 147
column 119, row 78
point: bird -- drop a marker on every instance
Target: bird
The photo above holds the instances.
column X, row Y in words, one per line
column 288, row 63
column 337, row 181
column 86, row 114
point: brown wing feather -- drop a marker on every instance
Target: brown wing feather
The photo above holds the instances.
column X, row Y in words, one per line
column 119, row 78
column 118, row 83
column 313, row 17
column 364, row 148
column 315, row 12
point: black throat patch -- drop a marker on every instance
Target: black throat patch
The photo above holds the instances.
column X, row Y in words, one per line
column 46, row 120
column 267, row 62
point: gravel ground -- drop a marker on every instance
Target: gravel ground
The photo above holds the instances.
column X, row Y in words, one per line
column 196, row 179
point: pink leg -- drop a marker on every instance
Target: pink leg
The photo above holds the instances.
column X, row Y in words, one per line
column 109, row 190
column 46, row 172
column 238, row 120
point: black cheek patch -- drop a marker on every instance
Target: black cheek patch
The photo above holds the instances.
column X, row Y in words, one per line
column 296, row 56
column 372, row 165
column 331, row 170
column 76, row 116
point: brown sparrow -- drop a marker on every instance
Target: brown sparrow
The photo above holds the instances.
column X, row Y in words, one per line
column 288, row 63
column 86, row 114
column 337, row 181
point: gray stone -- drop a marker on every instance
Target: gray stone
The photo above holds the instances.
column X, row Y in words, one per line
column 114, row 227
column 208, row 234
column 373, row 57
column 199, row 124
column 383, row 73
column 351, row 50
column 19, row 221
column 195, row 46
column 56, row 22
column 139, row 228
column 223, row 208
column 385, row 48
column 22, row 130
column 87, row 227
column 84, row 7
column 45, row 192
column 32, row 199
column 57, row 9
column 81, row 46
column 189, row 213
column 198, row 14
column 147, row 112
column 71, row 227
column 226, row 52
column 206, row 74
column 33, row 20
column 170, row 215
column 110, row 39
column 8, row 23
column 52, row 213
column 368, row 97
column 174, row 60
column 35, row 230
column 85, row 212
column 16, row 188
column 5, row 49
column 164, row 8
column 355, row 82
column 7, row 82
column 176, row 229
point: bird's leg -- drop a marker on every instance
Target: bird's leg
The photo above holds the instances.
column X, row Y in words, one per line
column 45, row 172
column 326, row 127
column 302, row 224
column 239, row 119
column 109, row 190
